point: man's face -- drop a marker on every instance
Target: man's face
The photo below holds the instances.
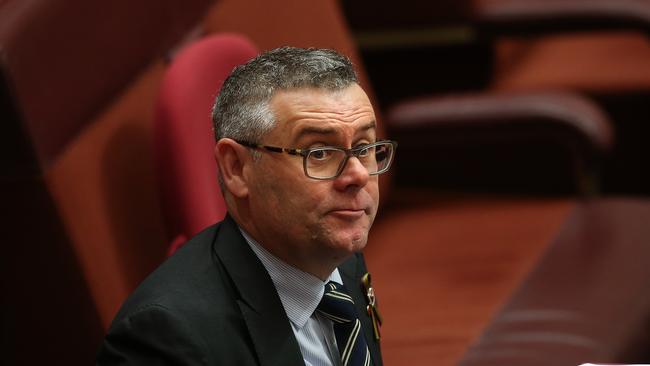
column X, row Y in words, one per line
column 301, row 219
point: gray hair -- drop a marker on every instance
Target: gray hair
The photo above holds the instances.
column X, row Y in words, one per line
column 242, row 109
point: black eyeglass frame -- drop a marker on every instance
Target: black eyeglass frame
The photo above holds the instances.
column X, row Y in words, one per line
column 355, row 151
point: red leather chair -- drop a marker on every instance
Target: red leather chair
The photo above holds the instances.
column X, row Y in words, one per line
column 183, row 133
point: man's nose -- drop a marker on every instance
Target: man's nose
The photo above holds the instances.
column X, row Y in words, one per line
column 353, row 174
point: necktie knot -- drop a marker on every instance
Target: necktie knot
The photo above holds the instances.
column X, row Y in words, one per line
column 336, row 304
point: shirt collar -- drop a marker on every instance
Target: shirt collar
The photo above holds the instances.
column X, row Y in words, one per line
column 300, row 292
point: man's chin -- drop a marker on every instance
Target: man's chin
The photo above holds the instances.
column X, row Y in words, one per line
column 346, row 237
column 351, row 242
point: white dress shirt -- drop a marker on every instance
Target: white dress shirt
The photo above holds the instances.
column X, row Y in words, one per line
column 300, row 294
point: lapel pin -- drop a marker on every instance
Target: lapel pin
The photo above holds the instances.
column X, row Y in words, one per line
column 373, row 312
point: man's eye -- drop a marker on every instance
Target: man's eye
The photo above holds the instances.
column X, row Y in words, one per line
column 364, row 152
column 320, row 154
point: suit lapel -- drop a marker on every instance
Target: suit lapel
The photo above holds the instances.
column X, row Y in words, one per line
column 259, row 302
column 351, row 272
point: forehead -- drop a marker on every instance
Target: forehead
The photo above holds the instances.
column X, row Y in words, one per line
column 304, row 108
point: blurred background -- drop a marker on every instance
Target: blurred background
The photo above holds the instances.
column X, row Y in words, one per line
column 515, row 226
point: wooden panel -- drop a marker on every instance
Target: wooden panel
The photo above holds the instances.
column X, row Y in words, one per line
column 106, row 191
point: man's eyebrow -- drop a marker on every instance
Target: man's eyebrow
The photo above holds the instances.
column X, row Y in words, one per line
column 368, row 126
column 315, row 130
column 318, row 130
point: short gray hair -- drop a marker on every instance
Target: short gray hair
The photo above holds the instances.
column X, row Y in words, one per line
column 242, row 109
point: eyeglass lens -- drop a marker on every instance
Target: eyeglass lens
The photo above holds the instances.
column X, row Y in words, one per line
column 326, row 162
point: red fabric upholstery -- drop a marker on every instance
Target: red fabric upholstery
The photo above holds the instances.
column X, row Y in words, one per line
column 183, row 133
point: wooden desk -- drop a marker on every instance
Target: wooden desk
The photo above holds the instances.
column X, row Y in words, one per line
column 586, row 300
column 442, row 268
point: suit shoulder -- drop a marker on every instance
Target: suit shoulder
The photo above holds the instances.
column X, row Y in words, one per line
column 190, row 302
column 191, row 280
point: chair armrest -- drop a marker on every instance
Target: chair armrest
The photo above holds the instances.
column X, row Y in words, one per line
column 560, row 119
column 519, row 112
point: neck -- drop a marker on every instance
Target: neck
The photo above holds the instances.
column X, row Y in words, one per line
column 311, row 257
column 316, row 265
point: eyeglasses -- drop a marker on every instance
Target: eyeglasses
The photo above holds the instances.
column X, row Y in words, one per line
column 327, row 162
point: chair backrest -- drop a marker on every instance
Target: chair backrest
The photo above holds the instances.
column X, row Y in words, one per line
column 184, row 141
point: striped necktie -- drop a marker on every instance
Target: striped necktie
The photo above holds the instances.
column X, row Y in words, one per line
column 338, row 306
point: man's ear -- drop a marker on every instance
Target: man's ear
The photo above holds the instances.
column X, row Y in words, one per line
column 231, row 159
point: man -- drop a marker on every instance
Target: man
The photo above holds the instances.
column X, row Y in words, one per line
column 281, row 280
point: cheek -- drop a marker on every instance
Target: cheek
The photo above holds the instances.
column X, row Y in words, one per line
column 372, row 188
column 288, row 199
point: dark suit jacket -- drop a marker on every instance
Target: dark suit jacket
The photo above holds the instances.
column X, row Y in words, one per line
column 213, row 303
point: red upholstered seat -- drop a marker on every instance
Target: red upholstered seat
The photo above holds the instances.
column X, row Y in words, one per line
column 183, row 137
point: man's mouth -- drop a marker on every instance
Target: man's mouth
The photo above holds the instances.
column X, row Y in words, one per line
column 348, row 213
